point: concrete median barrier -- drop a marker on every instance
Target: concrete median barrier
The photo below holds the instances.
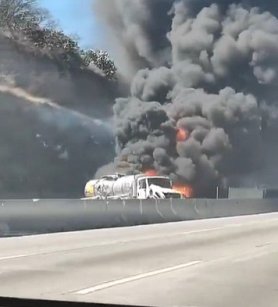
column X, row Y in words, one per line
column 166, row 211
column 43, row 216
column 133, row 212
column 115, row 214
column 187, row 209
column 150, row 212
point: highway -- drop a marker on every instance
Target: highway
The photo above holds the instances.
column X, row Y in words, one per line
column 214, row 262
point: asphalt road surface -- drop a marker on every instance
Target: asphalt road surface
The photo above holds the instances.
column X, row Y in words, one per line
column 217, row 262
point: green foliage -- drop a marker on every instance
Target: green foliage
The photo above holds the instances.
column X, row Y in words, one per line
column 57, row 45
column 101, row 60
column 17, row 15
column 26, row 22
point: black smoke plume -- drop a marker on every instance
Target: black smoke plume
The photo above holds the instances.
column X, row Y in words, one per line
column 209, row 68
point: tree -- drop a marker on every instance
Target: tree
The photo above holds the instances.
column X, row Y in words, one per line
column 57, row 45
column 27, row 23
column 17, row 15
column 100, row 59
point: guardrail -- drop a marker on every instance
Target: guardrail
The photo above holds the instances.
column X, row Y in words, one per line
column 43, row 216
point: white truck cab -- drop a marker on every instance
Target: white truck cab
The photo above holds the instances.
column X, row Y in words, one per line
column 158, row 187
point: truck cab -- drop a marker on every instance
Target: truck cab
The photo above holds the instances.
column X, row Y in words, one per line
column 157, row 187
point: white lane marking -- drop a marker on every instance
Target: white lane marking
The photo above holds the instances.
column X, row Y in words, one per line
column 15, row 256
column 248, row 258
column 110, row 284
column 116, row 242
column 253, row 256
column 112, row 243
column 136, row 240
column 202, row 230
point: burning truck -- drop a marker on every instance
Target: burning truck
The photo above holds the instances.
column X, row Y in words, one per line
column 141, row 186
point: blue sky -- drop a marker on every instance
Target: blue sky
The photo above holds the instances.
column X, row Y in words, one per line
column 75, row 17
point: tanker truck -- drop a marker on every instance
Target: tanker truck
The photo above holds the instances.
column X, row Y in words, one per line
column 131, row 187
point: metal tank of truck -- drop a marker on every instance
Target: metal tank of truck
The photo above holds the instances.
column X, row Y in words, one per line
column 131, row 187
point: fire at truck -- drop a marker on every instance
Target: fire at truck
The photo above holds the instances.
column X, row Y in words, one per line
column 140, row 186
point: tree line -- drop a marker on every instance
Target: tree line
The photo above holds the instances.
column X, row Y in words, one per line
column 25, row 22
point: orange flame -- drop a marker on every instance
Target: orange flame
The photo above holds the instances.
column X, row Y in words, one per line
column 185, row 190
column 151, row 172
column 182, row 135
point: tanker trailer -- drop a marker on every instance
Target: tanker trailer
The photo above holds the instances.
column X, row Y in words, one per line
column 131, row 187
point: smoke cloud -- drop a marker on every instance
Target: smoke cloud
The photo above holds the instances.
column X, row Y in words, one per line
column 209, row 68
column 137, row 30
